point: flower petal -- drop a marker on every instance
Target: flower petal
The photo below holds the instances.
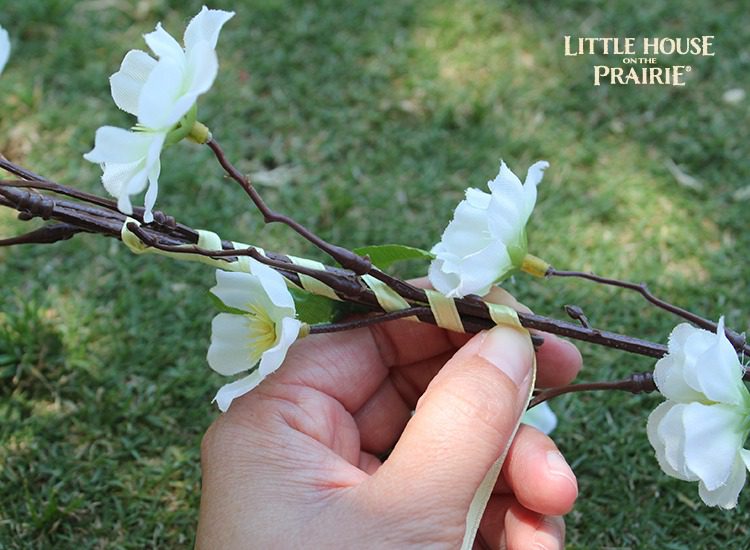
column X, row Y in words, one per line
column 229, row 392
column 666, row 435
column 150, row 199
column 203, row 67
column 669, row 378
column 127, row 83
column 444, row 281
column 717, row 372
column 745, row 456
column 484, row 238
column 506, row 211
column 541, row 417
column 286, row 335
column 205, row 27
column 274, row 286
column 123, row 180
column 478, row 198
column 119, row 146
column 505, row 181
column 4, row 48
column 474, row 274
column 680, row 335
column 467, row 232
column 713, row 439
column 229, row 352
column 156, row 105
column 236, row 289
column 726, row 495
column 533, row 178
column 153, row 166
column 164, row 45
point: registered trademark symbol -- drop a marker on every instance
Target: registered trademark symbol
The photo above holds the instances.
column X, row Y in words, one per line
column 688, row 69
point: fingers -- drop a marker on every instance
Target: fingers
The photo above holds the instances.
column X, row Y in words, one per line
column 558, row 360
column 506, row 524
column 558, row 363
column 492, row 526
column 463, row 421
column 538, row 475
column 525, row 529
column 351, row 366
column 382, row 418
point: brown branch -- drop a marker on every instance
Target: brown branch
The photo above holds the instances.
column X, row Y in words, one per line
column 44, row 235
column 346, row 286
column 474, row 312
column 480, row 321
column 346, row 258
column 641, row 382
column 737, row 340
column 97, row 219
column 369, row 321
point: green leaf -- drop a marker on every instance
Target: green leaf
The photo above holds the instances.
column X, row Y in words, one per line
column 383, row 255
column 313, row 309
column 222, row 307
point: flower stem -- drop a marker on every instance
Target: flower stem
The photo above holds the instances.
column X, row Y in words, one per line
column 369, row 321
column 640, row 382
column 346, row 258
column 737, row 340
column 534, row 266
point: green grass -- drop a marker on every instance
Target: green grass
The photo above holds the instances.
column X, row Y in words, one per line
column 382, row 113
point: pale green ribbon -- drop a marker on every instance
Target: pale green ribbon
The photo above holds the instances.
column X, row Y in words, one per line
column 206, row 239
column 484, row 492
column 311, row 284
column 445, row 312
column 209, row 240
column 502, row 315
column 388, row 298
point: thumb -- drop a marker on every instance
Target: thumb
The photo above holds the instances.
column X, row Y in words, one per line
column 463, row 421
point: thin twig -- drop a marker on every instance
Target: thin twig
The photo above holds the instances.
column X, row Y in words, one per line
column 44, row 235
column 348, row 287
column 641, row 382
column 369, row 321
column 575, row 312
column 346, row 258
column 737, row 340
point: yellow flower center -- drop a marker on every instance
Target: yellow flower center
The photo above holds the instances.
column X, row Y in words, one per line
column 261, row 331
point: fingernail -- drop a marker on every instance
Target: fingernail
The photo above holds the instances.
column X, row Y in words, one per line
column 510, row 351
column 550, row 535
column 558, row 466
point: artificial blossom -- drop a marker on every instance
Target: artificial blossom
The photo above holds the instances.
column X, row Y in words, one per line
column 162, row 95
column 259, row 331
column 4, row 48
column 699, row 432
column 541, row 417
column 129, row 161
column 486, row 239
column 161, row 92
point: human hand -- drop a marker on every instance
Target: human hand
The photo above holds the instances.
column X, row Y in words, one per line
column 294, row 463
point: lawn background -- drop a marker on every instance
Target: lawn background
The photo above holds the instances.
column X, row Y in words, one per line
column 366, row 120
